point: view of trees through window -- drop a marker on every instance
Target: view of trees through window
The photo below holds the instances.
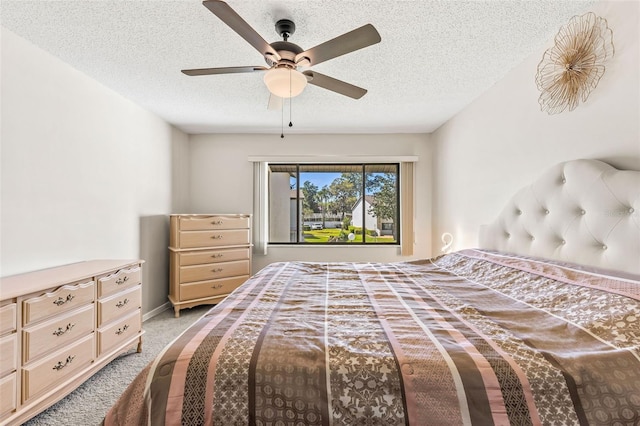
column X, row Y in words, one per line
column 334, row 203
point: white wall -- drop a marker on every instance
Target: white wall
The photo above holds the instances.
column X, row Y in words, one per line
column 502, row 141
column 85, row 172
column 222, row 182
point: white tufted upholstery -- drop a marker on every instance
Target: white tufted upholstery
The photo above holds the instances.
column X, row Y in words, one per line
column 582, row 211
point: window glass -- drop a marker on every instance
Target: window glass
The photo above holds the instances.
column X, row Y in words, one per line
column 324, row 203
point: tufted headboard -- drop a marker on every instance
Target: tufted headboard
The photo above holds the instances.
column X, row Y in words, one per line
column 583, row 211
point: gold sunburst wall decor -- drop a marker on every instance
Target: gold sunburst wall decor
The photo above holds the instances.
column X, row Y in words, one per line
column 572, row 68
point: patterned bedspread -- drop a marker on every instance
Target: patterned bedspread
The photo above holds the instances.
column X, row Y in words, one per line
column 472, row 337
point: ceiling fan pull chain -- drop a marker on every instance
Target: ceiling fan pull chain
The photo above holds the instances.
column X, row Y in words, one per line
column 290, row 100
column 282, row 120
column 290, row 109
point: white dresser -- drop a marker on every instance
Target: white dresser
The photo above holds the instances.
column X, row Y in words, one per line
column 58, row 326
column 210, row 256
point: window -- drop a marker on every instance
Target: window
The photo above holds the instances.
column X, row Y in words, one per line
column 350, row 204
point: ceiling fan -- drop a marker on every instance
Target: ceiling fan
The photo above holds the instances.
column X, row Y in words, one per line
column 284, row 58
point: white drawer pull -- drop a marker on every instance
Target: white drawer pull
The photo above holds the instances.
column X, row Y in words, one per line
column 122, row 280
column 60, row 331
column 122, row 330
column 59, row 366
column 122, row 303
column 61, row 301
column 216, row 237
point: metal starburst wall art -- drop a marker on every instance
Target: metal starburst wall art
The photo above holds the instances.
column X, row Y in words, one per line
column 572, row 68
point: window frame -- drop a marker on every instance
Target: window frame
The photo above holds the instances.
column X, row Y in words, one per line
column 363, row 171
column 260, row 217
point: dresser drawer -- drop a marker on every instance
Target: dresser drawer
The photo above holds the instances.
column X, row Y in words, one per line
column 233, row 237
column 51, row 335
column 8, row 320
column 213, row 271
column 8, row 354
column 124, row 278
column 54, row 369
column 119, row 304
column 8, row 394
column 193, row 223
column 59, row 301
column 212, row 288
column 210, row 256
column 119, row 332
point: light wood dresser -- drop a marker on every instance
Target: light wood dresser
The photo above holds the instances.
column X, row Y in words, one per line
column 210, row 256
column 59, row 326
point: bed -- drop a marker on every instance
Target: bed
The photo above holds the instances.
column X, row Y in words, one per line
column 529, row 329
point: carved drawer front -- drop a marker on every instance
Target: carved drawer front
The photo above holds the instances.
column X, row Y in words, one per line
column 194, row 223
column 210, row 288
column 232, row 237
column 119, row 304
column 117, row 333
column 59, row 301
column 8, row 318
column 8, row 353
column 53, row 334
column 8, row 397
column 213, row 271
column 119, row 281
column 52, row 370
column 221, row 255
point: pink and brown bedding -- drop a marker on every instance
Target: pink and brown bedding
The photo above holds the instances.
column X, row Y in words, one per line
column 474, row 337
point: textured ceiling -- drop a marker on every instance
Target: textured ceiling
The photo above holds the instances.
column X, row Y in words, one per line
column 435, row 57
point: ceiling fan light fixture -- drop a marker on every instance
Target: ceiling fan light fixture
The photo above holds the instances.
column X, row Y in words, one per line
column 285, row 82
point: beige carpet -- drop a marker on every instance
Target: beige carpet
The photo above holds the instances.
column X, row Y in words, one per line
column 88, row 404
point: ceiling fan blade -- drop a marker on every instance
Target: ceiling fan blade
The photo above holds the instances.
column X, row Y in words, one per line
column 346, row 43
column 223, row 70
column 334, row 85
column 275, row 102
column 223, row 11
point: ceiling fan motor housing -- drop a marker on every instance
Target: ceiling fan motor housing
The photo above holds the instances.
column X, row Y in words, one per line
column 287, row 52
column 285, row 49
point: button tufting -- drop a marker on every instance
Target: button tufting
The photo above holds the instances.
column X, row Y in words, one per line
column 546, row 212
column 563, row 180
column 604, row 247
column 582, row 212
column 631, row 210
column 563, row 242
column 518, row 212
column 532, row 237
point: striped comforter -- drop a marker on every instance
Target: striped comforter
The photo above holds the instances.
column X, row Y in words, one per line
column 472, row 337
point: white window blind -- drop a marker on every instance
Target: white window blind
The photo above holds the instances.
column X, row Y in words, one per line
column 260, row 207
column 407, row 210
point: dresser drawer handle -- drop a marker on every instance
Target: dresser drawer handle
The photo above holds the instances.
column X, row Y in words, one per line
column 122, row 303
column 60, row 331
column 122, row 280
column 217, row 270
column 122, row 330
column 216, row 222
column 217, row 256
column 59, row 366
column 217, row 286
column 61, row 301
column 217, row 237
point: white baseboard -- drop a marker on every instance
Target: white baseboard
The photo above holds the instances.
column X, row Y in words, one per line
column 157, row 311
